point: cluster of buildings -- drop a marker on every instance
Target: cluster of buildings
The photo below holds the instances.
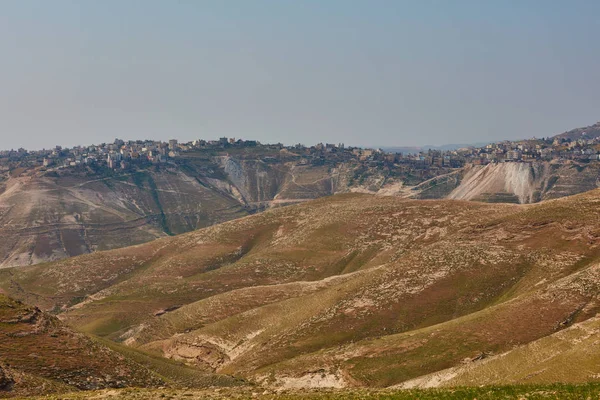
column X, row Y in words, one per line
column 548, row 149
column 121, row 154
column 582, row 149
column 116, row 155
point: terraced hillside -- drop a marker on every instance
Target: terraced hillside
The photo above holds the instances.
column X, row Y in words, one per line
column 349, row 290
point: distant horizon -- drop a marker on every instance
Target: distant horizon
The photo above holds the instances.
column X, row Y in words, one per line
column 398, row 145
column 373, row 146
column 202, row 137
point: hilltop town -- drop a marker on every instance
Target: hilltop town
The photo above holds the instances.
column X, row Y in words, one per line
column 124, row 155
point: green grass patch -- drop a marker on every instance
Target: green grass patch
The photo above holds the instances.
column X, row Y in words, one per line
column 528, row 392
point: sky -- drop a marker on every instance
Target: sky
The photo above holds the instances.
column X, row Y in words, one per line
column 369, row 73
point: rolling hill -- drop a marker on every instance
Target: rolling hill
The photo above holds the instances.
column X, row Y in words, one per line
column 569, row 355
column 47, row 216
column 40, row 355
column 51, row 215
column 588, row 132
column 344, row 291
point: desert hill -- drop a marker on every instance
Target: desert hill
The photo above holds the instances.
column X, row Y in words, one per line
column 569, row 355
column 515, row 182
column 348, row 290
column 39, row 354
column 43, row 218
column 47, row 216
column 588, row 132
column 54, row 212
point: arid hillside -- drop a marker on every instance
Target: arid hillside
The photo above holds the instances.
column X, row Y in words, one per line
column 52, row 215
column 349, row 290
column 569, row 355
column 513, row 182
column 40, row 355
column 587, row 132
column 46, row 216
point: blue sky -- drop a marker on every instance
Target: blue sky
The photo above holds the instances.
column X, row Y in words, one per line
column 371, row 72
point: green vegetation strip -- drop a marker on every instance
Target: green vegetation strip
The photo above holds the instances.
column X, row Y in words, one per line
column 138, row 179
column 554, row 391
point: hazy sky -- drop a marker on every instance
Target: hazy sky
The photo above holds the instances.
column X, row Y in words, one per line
column 369, row 72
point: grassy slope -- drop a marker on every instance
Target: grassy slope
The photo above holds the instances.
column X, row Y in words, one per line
column 568, row 392
column 394, row 358
column 360, row 289
column 570, row 355
column 39, row 355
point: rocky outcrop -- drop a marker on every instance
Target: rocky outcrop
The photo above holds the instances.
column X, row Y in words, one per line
column 508, row 182
column 203, row 354
column 257, row 181
column 6, row 380
column 514, row 182
column 43, row 352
